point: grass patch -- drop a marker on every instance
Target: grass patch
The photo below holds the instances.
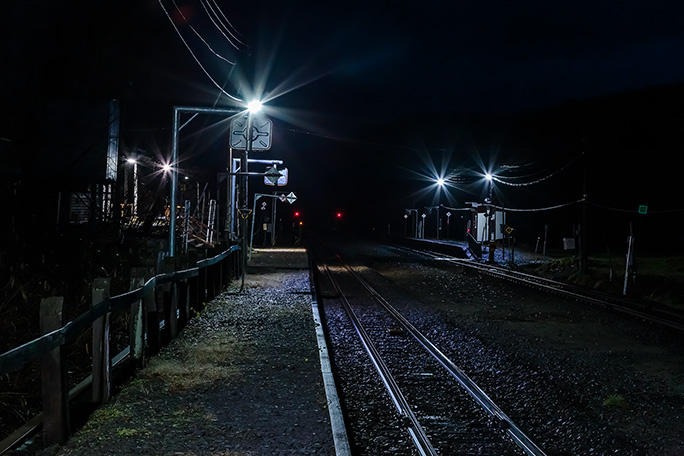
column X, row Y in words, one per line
column 615, row 401
column 127, row 432
column 200, row 364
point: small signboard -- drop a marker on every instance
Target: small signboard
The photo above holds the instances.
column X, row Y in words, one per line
column 275, row 176
column 262, row 130
column 643, row 209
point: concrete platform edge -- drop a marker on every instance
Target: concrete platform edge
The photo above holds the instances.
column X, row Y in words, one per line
column 339, row 430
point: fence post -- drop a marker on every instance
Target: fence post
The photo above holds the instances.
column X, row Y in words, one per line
column 137, row 320
column 152, row 322
column 165, row 301
column 219, row 266
column 201, row 287
column 54, row 376
column 171, row 311
column 211, row 275
column 183, row 303
column 102, row 384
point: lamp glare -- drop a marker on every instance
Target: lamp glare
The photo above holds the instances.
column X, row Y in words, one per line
column 254, row 106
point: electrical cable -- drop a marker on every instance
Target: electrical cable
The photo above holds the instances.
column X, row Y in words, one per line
column 524, row 184
column 212, row 14
column 200, row 36
column 229, row 95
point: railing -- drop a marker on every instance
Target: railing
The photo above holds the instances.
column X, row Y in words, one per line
column 159, row 307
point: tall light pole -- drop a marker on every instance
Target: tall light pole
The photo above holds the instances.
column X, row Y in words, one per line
column 440, row 187
column 489, row 177
column 177, row 110
column 134, row 162
column 252, row 108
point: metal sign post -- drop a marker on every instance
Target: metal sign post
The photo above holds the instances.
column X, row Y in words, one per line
column 290, row 198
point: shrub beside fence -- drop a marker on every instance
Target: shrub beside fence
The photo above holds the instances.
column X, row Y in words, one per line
column 159, row 306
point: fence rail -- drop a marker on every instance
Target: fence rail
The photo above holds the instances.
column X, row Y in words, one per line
column 164, row 300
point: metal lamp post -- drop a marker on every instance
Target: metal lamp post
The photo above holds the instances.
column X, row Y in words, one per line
column 177, row 110
column 489, row 177
column 134, row 209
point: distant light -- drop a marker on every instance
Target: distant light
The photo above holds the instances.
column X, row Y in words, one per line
column 296, row 214
column 166, row 168
column 131, row 160
column 488, row 176
column 254, row 106
column 339, row 215
column 440, row 182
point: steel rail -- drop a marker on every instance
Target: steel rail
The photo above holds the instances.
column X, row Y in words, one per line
column 520, row 438
column 415, row 430
column 671, row 318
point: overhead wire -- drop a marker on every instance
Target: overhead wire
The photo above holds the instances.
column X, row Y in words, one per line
column 542, row 179
column 180, row 35
column 220, row 26
column 200, row 35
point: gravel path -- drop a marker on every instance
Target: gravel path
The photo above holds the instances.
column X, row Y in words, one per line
column 242, row 379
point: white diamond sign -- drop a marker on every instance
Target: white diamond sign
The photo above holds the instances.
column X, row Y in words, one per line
column 291, row 198
column 275, row 176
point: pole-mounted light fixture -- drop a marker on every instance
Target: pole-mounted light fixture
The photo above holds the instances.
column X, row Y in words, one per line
column 254, row 106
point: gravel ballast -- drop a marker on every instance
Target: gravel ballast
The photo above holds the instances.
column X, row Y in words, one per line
column 578, row 379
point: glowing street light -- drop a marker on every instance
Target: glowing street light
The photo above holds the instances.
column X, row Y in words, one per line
column 490, row 178
column 254, row 106
column 440, row 182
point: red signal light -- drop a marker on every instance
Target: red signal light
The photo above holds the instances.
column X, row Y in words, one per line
column 339, row 215
column 296, row 214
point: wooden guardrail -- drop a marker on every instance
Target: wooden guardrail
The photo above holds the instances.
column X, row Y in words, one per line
column 164, row 300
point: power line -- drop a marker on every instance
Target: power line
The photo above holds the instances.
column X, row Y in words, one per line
column 232, row 97
column 200, row 36
column 542, row 179
column 212, row 14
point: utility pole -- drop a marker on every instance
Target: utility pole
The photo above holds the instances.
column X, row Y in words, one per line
column 584, row 256
column 244, row 203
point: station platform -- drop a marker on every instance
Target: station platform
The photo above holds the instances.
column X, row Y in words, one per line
column 248, row 376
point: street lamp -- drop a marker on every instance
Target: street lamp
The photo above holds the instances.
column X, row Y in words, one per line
column 134, row 162
column 177, row 110
column 254, row 106
column 490, row 178
column 490, row 223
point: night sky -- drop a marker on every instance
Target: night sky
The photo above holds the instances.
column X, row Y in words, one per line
column 366, row 96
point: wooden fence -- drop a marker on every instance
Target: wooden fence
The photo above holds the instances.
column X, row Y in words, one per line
column 159, row 307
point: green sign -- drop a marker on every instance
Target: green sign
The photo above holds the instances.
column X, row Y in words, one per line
column 643, row 209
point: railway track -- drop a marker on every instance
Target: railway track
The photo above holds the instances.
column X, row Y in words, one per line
column 438, row 408
column 651, row 312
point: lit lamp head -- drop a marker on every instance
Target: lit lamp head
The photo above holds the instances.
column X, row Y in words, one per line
column 488, row 177
column 440, row 182
column 254, row 106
